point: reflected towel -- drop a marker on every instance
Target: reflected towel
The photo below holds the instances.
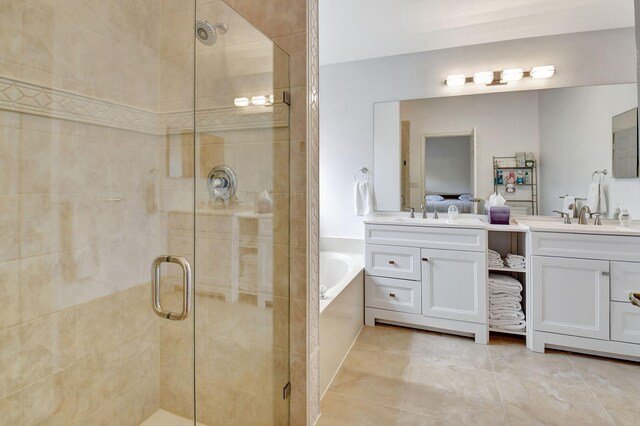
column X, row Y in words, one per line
column 596, row 199
column 363, row 198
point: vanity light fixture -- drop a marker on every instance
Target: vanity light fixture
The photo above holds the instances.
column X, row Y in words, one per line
column 493, row 78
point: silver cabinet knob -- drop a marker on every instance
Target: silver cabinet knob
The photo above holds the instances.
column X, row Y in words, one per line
column 392, row 295
column 634, row 298
column 392, row 262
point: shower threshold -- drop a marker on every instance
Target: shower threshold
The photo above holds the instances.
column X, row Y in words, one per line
column 165, row 418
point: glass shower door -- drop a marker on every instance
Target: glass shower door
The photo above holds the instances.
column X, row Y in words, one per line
column 241, row 222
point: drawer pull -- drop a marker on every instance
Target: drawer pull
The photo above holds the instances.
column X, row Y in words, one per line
column 392, row 295
column 634, row 298
column 605, row 273
column 392, row 262
column 425, row 259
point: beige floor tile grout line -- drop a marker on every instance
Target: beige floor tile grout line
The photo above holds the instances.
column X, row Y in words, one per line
column 590, row 389
column 495, row 380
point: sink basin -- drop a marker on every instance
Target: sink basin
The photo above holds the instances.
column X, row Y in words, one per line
column 546, row 225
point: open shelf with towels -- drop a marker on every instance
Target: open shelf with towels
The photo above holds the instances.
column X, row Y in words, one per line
column 505, row 243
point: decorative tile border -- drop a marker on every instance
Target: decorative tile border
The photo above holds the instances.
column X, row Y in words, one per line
column 30, row 98
column 33, row 99
column 313, row 212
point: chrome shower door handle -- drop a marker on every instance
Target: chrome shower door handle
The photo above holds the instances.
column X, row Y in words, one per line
column 187, row 288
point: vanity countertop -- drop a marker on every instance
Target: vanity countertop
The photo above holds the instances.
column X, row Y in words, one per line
column 607, row 228
column 390, row 219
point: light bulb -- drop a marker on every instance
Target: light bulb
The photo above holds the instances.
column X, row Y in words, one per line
column 512, row 74
column 455, row 80
column 483, row 77
column 241, row 102
column 545, row 71
column 258, row 100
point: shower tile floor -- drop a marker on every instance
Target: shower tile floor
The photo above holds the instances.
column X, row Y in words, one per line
column 398, row 376
column 165, row 418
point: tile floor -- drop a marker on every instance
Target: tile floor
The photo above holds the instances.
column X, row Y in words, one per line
column 398, row 376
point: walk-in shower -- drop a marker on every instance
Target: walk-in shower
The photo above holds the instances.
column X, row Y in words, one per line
column 207, row 34
column 108, row 133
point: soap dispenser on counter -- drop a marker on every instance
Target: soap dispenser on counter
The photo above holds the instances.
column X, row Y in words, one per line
column 625, row 218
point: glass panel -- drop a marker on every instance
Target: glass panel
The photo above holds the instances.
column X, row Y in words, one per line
column 242, row 242
column 94, row 185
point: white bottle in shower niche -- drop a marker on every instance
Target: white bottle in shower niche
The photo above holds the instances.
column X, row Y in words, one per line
column 264, row 202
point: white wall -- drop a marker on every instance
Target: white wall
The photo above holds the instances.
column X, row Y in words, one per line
column 386, row 157
column 575, row 140
column 505, row 124
column 349, row 90
column 447, row 165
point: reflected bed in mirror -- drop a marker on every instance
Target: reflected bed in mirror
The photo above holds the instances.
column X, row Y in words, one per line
column 443, row 148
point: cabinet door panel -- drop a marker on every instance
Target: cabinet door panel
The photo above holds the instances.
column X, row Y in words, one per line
column 454, row 285
column 571, row 296
column 625, row 322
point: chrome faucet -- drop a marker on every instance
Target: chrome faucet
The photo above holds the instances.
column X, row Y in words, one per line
column 582, row 217
column 412, row 212
column 565, row 215
column 424, row 210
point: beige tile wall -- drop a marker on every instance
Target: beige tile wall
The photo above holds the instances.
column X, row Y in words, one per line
column 78, row 341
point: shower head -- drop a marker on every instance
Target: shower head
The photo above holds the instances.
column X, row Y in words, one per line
column 206, row 33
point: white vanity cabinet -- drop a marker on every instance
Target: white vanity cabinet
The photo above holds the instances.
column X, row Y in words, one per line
column 571, row 296
column 454, row 285
column 580, row 292
column 432, row 277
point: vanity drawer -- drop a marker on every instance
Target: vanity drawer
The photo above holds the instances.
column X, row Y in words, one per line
column 625, row 278
column 586, row 246
column 393, row 262
column 625, row 322
column 467, row 239
column 393, row 294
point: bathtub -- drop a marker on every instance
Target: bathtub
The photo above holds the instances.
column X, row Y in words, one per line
column 342, row 312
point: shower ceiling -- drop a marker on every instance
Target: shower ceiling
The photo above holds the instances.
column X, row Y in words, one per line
column 364, row 29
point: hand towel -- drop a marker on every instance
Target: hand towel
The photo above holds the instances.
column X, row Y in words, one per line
column 568, row 200
column 596, row 199
column 363, row 198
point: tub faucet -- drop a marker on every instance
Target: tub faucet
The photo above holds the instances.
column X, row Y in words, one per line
column 323, row 292
column 424, row 209
column 582, row 217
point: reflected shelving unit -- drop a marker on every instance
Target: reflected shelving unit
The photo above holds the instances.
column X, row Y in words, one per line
column 526, row 194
